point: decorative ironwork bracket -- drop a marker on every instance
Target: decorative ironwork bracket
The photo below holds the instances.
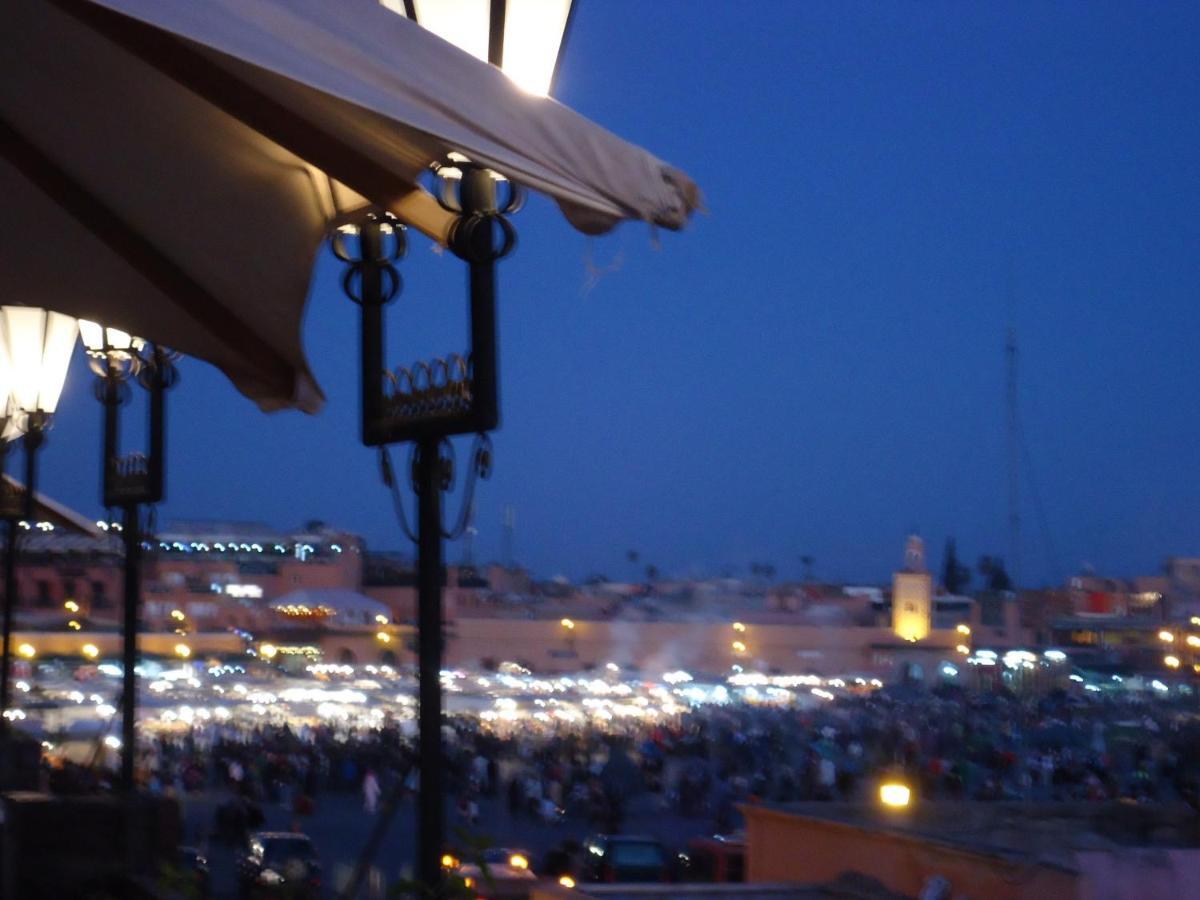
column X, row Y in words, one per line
column 444, row 396
column 136, row 478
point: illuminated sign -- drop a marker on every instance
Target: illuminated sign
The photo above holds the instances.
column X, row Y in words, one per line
column 244, row 591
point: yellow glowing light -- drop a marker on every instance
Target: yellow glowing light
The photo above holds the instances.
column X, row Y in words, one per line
column 71, row 606
column 895, row 795
column 178, row 614
column 738, row 626
column 530, row 42
column 449, row 862
column 566, row 881
column 1196, row 620
column 738, row 647
column 963, row 649
column 268, row 651
column 27, row 651
column 469, row 881
column 1171, row 662
column 383, row 637
column 964, row 629
column 1165, row 635
column 91, row 651
column 183, row 651
column 74, row 626
column 517, row 861
column 1193, row 640
column 567, row 624
column 381, row 619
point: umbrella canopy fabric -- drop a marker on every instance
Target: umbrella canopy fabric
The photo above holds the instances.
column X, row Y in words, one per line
column 171, row 167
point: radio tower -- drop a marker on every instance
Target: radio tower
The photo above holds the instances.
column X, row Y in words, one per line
column 1014, row 452
column 510, row 525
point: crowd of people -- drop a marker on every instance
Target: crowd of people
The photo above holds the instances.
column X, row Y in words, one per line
column 948, row 745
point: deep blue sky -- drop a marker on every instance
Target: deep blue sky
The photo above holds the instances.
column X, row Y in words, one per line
column 816, row 366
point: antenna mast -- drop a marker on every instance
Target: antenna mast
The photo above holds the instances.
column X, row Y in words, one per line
column 1014, row 457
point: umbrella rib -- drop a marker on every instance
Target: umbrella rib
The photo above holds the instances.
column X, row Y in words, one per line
column 177, row 58
column 129, row 244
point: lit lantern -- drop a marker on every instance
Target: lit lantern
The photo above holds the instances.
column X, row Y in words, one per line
column 524, row 38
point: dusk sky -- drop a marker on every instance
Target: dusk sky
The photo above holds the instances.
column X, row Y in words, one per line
column 816, row 366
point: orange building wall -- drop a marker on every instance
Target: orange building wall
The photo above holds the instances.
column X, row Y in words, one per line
column 547, row 646
column 782, row 846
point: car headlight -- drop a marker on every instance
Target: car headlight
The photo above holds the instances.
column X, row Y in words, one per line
column 269, row 876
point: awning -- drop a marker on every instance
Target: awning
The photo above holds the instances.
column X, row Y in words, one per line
column 171, row 167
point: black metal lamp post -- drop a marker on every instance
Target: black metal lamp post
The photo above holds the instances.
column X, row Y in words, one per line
column 431, row 401
column 35, row 352
column 128, row 482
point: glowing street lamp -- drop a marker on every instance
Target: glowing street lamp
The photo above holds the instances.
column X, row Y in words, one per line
column 738, row 646
column 1171, row 662
column 71, row 606
column 567, row 624
column 739, row 627
column 431, row 401
column 383, row 637
column 268, row 651
column 130, row 480
column 1166, row 636
column 183, row 651
column 963, row 628
column 91, row 651
column 35, row 353
column 26, row 651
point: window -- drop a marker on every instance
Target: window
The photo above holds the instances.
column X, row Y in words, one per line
column 68, row 588
column 43, row 594
column 100, row 596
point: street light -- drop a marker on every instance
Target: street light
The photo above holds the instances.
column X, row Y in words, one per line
column 428, row 402
column 35, row 352
column 116, row 357
column 524, row 38
column 1171, row 662
column 895, row 795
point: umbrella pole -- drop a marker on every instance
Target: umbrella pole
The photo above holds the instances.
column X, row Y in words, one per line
column 429, row 664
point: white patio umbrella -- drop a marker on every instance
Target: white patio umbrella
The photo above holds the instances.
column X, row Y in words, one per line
column 171, row 167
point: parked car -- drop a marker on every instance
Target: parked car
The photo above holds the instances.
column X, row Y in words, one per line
column 279, row 863
column 720, row 858
column 619, row 857
column 509, row 873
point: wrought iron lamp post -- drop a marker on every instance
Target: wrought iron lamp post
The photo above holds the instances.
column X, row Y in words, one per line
column 431, row 401
column 130, row 481
column 35, row 352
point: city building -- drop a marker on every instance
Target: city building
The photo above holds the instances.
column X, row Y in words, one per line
column 912, row 594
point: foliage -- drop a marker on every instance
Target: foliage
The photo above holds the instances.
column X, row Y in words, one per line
column 993, row 571
column 956, row 577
